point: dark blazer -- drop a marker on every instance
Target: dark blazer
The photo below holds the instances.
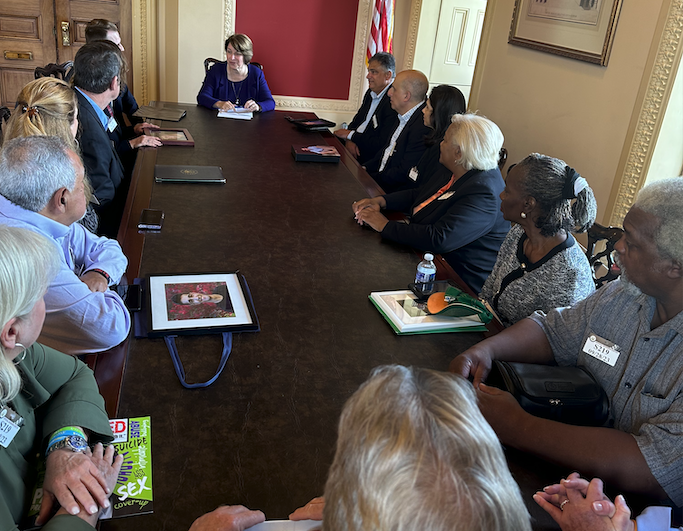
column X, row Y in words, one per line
column 126, row 105
column 467, row 228
column 410, row 146
column 102, row 165
column 373, row 138
column 429, row 167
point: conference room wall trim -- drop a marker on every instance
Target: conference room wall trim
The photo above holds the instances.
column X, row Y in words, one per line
column 649, row 111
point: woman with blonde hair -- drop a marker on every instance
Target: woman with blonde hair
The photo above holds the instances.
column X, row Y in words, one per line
column 45, row 106
column 48, row 107
column 50, row 402
column 460, row 217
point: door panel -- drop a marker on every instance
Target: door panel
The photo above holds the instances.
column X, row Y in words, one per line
column 26, row 41
column 457, row 42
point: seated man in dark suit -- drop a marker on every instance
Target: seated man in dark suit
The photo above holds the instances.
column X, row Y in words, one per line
column 126, row 138
column 391, row 165
column 370, row 129
column 98, row 68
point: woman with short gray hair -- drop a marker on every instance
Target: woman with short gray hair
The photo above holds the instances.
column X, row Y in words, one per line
column 540, row 266
column 457, row 215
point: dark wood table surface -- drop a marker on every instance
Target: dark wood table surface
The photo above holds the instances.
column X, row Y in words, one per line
column 263, row 435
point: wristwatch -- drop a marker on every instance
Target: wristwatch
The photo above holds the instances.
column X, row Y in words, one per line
column 75, row 443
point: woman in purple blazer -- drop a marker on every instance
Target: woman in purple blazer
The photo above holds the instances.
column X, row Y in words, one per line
column 236, row 83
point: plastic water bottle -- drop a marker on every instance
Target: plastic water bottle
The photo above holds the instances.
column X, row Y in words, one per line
column 426, row 272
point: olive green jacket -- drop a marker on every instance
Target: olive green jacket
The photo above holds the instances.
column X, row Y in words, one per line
column 57, row 391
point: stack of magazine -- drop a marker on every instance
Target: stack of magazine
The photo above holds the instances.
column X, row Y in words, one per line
column 407, row 315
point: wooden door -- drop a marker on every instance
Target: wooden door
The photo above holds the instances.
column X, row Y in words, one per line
column 457, row 43
column 37, row 32
column 26, row 41
column 72, row 16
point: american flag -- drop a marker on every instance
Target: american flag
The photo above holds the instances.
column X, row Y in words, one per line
column 382, row 31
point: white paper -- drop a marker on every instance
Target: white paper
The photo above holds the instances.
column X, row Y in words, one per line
column 287, row 525
column 238, row 113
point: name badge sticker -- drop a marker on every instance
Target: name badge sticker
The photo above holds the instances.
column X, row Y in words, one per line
column 374, row 122
column 445, row 196
column 413, row 173
column 111, row 124
column 7, row 432
column 10, row 422
column 602, row 349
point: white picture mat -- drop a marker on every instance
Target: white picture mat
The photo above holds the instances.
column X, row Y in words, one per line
column 158, row 302
column 567, row 10
column 389, row 302
column 575, row 36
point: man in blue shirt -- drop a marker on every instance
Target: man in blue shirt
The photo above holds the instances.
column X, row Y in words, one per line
column 42, row 189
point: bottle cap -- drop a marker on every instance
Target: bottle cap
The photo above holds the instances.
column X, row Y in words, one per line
column 429, row 257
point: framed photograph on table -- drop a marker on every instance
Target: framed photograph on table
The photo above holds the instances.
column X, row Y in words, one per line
column 199, row 304
column 172, row 136
column 578, row 29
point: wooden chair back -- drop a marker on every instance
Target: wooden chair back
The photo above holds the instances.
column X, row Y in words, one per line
column 62, row 71
column 602, row 262
column 210, row 61
column 502, row 158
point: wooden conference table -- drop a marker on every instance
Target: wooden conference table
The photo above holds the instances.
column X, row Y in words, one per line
column 263, row 434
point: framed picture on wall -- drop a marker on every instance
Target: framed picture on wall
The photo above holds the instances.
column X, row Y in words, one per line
column 578, row 29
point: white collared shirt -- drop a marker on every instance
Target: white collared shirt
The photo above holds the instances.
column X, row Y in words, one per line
column 402, row 121
column 376, row 98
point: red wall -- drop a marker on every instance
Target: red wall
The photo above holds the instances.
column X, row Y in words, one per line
column 305, row 46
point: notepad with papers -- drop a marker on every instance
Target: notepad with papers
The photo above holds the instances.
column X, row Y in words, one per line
column 238, row 113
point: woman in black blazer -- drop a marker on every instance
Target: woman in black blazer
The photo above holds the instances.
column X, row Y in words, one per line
column 460, row 218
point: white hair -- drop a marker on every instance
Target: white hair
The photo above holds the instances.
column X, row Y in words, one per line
column 414, row 452
column 28, row 263
column 33, row 168
column 664, row 200
column 479, row 139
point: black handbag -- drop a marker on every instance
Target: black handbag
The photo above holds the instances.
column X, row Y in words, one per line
column 566, row 394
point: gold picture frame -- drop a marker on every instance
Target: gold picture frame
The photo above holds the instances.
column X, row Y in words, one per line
column 577, row 29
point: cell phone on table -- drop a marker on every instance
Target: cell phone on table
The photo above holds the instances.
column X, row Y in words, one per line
column 131, row 295
column 151, row 219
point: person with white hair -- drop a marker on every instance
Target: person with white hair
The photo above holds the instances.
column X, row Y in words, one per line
column 629, row 335
column 458, row 217
column 413, row 453
column 42, row 189
column 50, row 402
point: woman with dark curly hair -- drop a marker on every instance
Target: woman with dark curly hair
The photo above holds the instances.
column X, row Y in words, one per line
column 540, row 266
